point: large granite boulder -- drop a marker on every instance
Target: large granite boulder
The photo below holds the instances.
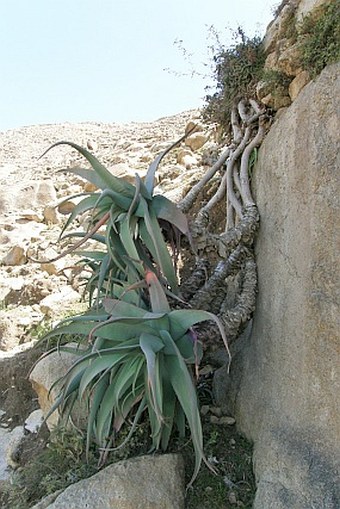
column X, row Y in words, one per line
column 288, row 376
column 147, row 482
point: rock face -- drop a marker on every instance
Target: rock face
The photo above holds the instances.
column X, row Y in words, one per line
column 282, row 47
column 44, row 379
column 288, row 393
column 126, row 485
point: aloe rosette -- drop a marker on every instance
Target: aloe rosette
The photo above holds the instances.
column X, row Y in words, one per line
column 138, row 354
column 137, row 361
column 134, row 219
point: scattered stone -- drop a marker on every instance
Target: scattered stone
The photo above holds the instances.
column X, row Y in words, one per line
column 193, row 127
column 92, row 145
column 216, row 411
column 232, row 498
column 66, row 207
column 4, row 438
column 289, row 61
column 229, row 421
column 15, row 438
column 276, row 101
column 65, row 299
column 263, row 88
column 89, row 187
column 34, row 421
column 29, row 215
column 196, row 141
column 15, row 256
column 205, row 409
column 51, row 215
column 46, row 192
column 186, row 158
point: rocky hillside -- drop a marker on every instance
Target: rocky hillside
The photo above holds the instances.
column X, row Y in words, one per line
column 283, row 384
column 33, row 207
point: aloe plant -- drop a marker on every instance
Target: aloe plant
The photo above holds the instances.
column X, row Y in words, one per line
column 138, row 354
column 137, row 361
column 133, row 218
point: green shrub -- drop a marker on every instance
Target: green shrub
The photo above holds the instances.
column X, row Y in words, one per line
column 237, row 71
column 319, row 34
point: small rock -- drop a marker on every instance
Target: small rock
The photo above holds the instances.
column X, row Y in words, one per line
column 44, row 378
column 205, row 409
column 229, row 421
column 15, row 256
column 29, row 215
column 289, row 61
column 232, row 498
column 276, row 101
column 66, row 207
column 89, row 187
column 34, row 421
column 91, row 145
column 64, row 298
column 51, row 215
column 193, row 127
column 187, row 159
column 216, row 411
column 263, row 88
column 123, row 170
column 12, row 450
column 145, row 157
column 46, row 192
column 196, row 141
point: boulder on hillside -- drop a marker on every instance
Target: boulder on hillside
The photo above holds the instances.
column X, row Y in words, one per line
column 147, row 482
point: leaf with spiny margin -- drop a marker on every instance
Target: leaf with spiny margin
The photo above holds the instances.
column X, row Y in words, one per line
column 96, row 367
column 182, row 319
column 160, row 249
column 121, row 202
column 169, row 211
column 140, row 410
column 105, row 177
column 150, row 176
column 97, row 256
column 81, row 207
column 124, row 379
column 126, row 236
column 158, row 300
column 96, row 236
column 129, row 402
column 182, row 384
column 95, row 401
column 169, row 405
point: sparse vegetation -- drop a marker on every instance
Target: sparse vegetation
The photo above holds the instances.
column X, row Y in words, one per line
column 319, row 35
column 237, row 70
column 61, row 463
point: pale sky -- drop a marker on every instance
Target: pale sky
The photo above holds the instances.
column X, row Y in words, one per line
column 105, row 60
